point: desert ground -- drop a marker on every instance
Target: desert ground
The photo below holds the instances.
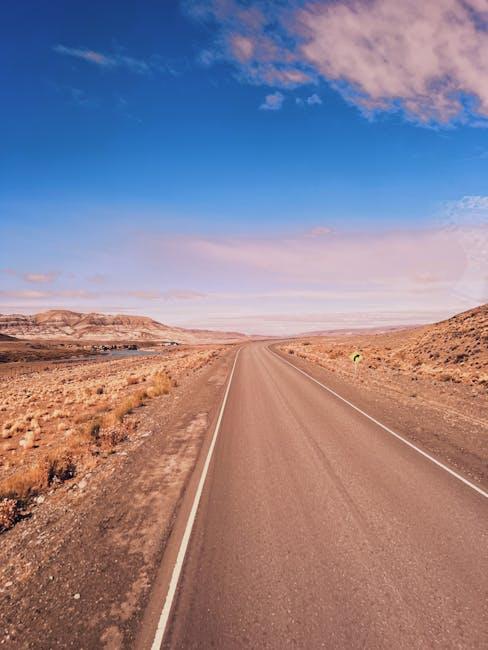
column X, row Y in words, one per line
column 58, row 420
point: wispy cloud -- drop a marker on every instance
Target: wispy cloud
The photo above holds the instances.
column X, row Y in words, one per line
column 426, row 58
column 79, row 97
column 43, row 278
column 97, row 278
column 87, row 55
column 319, row 231
column 25, row 293
column 183, row 294
column 313, row 100
column 171, row 294
column 116, row 60
column 273, row 102
column 339, row 259
column 446, row 262
column 84, row 294
column 32, row 294
column 34, row 278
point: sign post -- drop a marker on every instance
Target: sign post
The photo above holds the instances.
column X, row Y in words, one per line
column 356, row 358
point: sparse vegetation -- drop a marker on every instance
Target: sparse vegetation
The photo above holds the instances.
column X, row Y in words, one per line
column 131, row 402
column 9, row 514
column 55, row 422
column 161, row 384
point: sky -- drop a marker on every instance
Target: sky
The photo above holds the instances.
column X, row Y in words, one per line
column 267, row 167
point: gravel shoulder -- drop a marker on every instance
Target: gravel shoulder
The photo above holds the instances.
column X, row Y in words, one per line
column 79, row 570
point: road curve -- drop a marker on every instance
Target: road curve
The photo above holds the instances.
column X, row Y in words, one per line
column 318, row 529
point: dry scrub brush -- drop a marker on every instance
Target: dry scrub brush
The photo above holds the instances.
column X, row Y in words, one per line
column 9, row 514
column 56, row 422
column 56, row 466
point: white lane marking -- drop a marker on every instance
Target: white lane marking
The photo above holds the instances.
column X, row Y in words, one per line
column 175, row 576
column 383, row 426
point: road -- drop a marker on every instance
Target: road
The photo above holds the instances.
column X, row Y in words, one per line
column 318, row 529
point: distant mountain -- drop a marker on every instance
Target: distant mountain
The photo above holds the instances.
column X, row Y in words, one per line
column 64, row 324
column 356, row 331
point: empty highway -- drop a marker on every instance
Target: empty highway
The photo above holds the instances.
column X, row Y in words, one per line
column 316, row 528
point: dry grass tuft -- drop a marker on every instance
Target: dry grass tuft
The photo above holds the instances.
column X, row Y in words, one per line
column 25, row 483
column 60, row 465
column 9, row 514
column 92, row 429
column 55, row 467
column 161, row 384
column 133, row 401
column 110, row 438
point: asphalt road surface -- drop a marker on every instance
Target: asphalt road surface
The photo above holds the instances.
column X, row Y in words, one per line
column 318, row 529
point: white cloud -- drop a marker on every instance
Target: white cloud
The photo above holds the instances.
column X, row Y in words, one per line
column 313, row 100
column 421, row 54
column 273, row 102
column 87, row 55
column 427, row 58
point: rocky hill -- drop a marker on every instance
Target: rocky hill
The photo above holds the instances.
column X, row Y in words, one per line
column 454, row 350
column 458, row 346
column 64, row 324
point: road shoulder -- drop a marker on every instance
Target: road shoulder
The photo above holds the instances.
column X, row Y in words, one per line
column 79, row 572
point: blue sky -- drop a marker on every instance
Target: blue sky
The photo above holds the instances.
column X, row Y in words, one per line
column 143, row 141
